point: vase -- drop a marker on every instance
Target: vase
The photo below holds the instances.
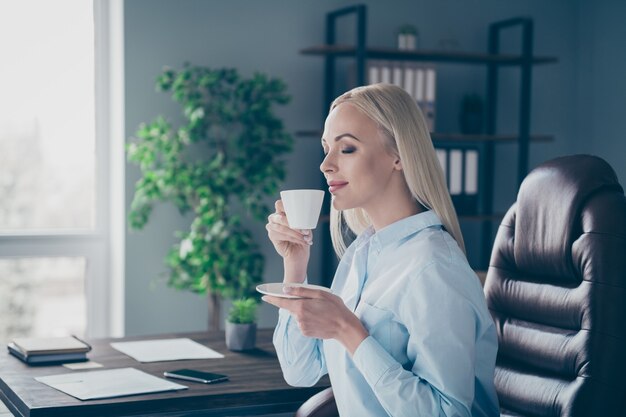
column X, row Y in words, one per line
column 240, row 336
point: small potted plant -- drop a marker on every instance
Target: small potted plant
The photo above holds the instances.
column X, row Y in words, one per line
column 407, row 37
column 241, row 325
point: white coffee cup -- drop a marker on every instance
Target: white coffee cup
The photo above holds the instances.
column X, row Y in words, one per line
column 302, row 207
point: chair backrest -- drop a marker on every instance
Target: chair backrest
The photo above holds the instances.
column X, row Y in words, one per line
column 556, row 290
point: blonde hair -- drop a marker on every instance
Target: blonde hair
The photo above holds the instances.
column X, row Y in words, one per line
column 401, row 122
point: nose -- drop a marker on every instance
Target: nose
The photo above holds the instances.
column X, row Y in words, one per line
column 328, row 165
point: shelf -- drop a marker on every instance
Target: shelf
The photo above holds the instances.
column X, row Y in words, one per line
column 454, row 137
column 426, row 55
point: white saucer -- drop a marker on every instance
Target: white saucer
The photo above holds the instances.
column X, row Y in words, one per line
column 275, row 289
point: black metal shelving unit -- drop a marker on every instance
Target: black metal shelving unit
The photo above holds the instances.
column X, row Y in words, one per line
column 485, row 143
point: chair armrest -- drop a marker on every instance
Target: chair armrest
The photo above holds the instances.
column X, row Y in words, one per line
column 321, row 404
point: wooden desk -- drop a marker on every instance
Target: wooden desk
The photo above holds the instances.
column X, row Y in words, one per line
column 256, row 384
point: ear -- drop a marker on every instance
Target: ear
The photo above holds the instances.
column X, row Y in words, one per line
column 397, row 165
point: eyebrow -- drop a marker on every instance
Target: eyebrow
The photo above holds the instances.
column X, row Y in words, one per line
column 339, row 137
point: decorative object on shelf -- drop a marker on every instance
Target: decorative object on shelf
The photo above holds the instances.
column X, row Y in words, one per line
column 472, row 114
column 241, row 325
column 407, row 37
column 229, row 147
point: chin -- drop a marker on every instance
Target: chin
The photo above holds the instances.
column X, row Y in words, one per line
column 340, row 204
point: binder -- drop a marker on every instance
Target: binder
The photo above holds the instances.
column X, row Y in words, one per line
column 409, row 81
column 419, row 87
column 397, row 76
column 430, row 98
column 385, row 73
column 471, row 172
column 373, row 74
column 456, row 171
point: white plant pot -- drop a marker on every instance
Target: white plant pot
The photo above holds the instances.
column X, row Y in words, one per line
column 407, row 41
column 240, row 336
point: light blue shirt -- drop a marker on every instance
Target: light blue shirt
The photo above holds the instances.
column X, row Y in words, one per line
column 432, row 344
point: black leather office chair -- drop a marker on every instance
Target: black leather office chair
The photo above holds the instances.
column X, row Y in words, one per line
column 321, row 404
column 556, row 288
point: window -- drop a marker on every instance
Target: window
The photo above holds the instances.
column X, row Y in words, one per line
column 42, row 296
column 55, row 188
column 47, row 116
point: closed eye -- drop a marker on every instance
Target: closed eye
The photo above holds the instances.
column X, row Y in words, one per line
column 344, row 151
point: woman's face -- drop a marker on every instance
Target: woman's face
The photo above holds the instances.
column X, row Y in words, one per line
column 358, row 167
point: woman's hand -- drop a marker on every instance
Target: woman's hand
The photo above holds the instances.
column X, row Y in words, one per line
column 322, row 315
column 294, row 245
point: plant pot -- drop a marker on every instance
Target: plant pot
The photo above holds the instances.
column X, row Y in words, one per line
column 240, row 336
column 407, row 41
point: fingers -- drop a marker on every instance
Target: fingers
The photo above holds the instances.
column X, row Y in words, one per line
column 285, row 303
column 281, row 217
column 278, row 205
column 278, row 232
column 305, row 292
column 275, row 301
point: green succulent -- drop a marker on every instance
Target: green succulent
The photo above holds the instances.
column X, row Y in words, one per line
column 407, row 29
column 243, row 311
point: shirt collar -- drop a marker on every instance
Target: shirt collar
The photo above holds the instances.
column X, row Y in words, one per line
column 398, row 230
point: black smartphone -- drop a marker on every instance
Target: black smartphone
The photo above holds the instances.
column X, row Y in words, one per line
column 196, row 376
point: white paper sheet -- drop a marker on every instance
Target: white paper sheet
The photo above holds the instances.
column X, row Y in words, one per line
column 109, row 383
column 82, row 365
column 166, row 350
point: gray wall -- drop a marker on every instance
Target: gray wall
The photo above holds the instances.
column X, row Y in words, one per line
column 580, row 99
column 601, row 82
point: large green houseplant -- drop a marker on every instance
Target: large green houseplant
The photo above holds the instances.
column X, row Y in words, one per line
column 228, row 150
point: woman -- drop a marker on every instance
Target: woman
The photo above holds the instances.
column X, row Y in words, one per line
column 406, row 331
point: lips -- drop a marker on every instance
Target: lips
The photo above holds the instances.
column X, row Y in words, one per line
column 333, row 186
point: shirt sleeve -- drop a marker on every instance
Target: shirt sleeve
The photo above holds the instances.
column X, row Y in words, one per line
column 301, row 358
column 441, row 323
